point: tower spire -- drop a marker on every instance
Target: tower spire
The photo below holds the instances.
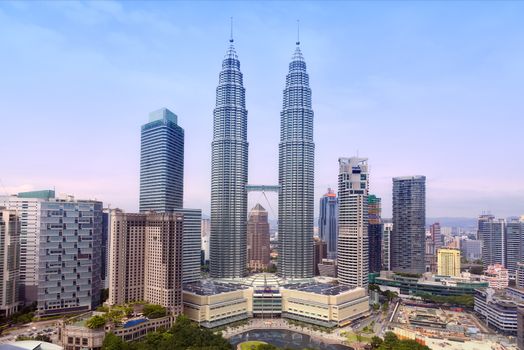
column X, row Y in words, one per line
column 231, row 37
column 298, row 32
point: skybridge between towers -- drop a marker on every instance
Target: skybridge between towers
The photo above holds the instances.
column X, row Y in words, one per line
column 264, row 189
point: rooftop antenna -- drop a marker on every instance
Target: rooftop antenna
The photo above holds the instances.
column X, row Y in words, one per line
column 298, row 32
column 231, row 37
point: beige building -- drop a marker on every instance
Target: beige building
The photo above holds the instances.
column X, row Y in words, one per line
column 213, row 304
column 9, row 261
column 74, row 334
column 324, row 304
column 258, row 248
column 448, row 262
column 145, row 259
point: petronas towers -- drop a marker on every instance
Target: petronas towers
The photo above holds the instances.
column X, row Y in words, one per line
column 229, row 172
column 228, row 240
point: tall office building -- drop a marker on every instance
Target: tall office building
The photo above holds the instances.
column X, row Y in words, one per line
column 471, row 249
column 436, row 235
column 327, row 222
column 28, row 207
column 352, row 251
column 386, row 246
column 448, row 262
column 146, row 258
column 162, row 182
column 229, row 165
column 161, row 163
column 296, row 174
column 9, row 262
column 491, row 233
column 192, row 247
column 514, row 244
column 106, row 230
column 374, row 233
column 258, row 248
column 408, row 238
column 70, row 256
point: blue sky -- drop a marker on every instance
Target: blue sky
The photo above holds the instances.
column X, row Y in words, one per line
column 430, row 88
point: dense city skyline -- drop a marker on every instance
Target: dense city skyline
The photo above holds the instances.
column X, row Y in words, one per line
column 459, row 91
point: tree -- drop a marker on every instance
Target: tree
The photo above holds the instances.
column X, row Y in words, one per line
column 43, row 337
column 376, row 342
column 113, row 342
column 154, row 311
column 96, row 321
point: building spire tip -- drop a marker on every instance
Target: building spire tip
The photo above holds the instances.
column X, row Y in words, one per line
column 298, row 32
column 231, row 36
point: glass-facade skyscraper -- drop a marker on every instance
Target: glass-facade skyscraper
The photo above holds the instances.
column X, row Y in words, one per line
column 162, row 182
column 161, row 163
column 228, row 240
column 408, row 238
column 328, row 221
column 296, row 174
column 375, row 232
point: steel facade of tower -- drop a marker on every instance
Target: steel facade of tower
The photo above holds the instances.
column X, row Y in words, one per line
column 296, row 174
column 161, row 163
column 228, row 240
column 408, row 238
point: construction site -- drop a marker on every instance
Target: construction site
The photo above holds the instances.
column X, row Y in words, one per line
column 448, row 329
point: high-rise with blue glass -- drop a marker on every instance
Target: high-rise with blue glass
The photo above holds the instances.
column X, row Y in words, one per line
column 296, row 174
column 161, row 163
column 162, row 182
column 328, row 222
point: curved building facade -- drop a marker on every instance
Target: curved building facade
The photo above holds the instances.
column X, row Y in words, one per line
column 228, row 247
column 296, row 174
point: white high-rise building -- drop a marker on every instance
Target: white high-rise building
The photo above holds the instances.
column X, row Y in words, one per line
column 352, row 250
column 28, row 207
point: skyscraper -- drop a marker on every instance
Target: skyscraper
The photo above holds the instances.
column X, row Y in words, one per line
column 70, row 256
column 514, row 244
column 374, row 233
column 319, row 254
column 352, row 251
column 328, row 221
column 28, row 207
column 146, row 259
column 161, row 163
column 9, row 262
column 386, row 246
column 408, row 238
column 162, row 182
column 258, row 249
column 296, row 174
column 491, row 233
column 229, row 165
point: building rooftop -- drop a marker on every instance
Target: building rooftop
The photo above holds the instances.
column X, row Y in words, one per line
column 263, row 280
column 319, row 288
column 210, row 287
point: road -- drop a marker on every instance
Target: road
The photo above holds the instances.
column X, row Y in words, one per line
column 27, row 330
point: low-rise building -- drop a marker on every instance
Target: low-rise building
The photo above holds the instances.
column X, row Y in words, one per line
column 324, row 304
column 75, row 335
column 498, row 309
column 497, row 276
column 212, row 304
column 428, row 283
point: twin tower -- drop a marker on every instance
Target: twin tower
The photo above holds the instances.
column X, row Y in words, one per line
column 229, row 174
